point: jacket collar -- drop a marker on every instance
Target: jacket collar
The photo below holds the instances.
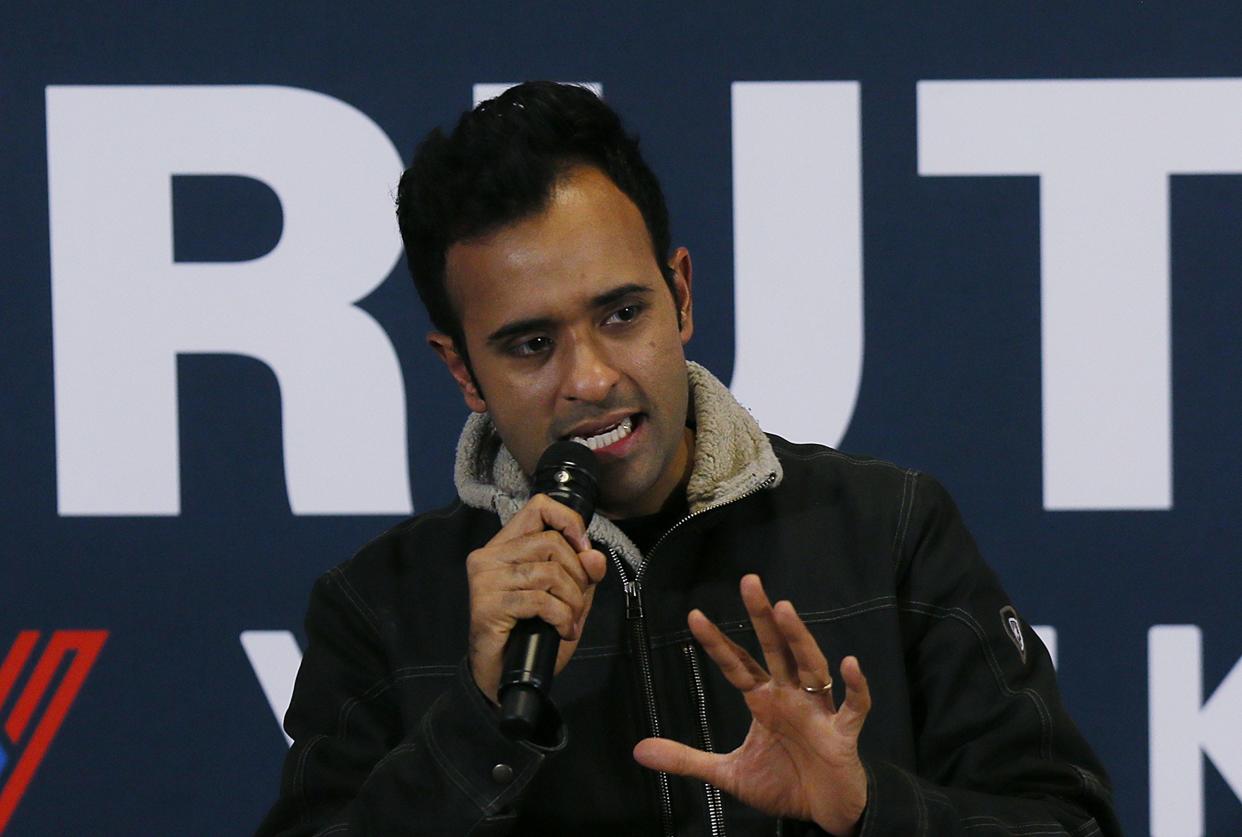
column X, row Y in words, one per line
column 732, row 458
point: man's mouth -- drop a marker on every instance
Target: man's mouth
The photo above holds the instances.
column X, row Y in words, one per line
column 607, row 435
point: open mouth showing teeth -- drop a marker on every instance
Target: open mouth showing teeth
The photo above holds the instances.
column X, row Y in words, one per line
column 608, row 436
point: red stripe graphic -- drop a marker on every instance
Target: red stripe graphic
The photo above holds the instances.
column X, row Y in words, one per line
column 16, row 661
column 87, row 645
column 29, row 699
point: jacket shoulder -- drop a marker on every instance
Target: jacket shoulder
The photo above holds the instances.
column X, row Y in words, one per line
column 873, row 493
column 425, row 550
column 820, row 462
column 425, row 530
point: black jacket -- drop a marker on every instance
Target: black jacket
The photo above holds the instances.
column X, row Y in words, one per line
column 966, row 735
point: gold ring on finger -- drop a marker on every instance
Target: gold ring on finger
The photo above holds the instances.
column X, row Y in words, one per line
column 819, row 690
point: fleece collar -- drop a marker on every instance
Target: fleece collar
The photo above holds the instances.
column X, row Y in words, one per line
column 732, row 457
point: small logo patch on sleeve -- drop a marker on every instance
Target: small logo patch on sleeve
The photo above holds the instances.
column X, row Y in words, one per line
column 1013, row 629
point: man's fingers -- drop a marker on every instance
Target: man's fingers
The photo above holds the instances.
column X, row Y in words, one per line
column 595, row 564
column 673, row 757
column 536, row 547
column 757, row 671
column 545, row 576
column 776, row 653
column 737, row 666
column 809, row 659
column 857, row 695
column 549, row 546
column 585, row 568
column 542, row 512
column 525, row 604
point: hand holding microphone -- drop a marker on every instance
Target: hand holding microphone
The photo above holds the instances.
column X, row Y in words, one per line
column 568, row 473
column 539, row 572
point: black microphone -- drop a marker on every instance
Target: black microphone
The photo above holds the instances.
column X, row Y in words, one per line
column 569, row 473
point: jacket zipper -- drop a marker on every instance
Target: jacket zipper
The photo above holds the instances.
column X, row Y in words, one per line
column 715, row 805
column 638, row 635
column 771, row 478
column 638, row 628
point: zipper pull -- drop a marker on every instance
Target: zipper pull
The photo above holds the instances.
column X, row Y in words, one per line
column 633, row 600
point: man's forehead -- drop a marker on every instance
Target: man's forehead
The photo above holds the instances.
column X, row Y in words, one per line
column 489, row 299
column 588, row 238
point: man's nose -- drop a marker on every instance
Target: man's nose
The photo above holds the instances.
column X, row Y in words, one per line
column 590, row 375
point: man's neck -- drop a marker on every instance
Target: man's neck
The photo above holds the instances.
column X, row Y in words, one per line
column 672, row 495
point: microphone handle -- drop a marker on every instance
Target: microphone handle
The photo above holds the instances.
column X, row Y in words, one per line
column 529, row 663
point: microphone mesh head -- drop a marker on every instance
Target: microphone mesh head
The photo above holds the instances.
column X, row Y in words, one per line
column 569, row 472
column 569, row 453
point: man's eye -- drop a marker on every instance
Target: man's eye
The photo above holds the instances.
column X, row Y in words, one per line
column 533, row 346
column 624, row 315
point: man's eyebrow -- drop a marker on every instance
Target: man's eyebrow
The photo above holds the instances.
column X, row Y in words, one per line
column 610, row 297
column 517, row 327
column 617, row 294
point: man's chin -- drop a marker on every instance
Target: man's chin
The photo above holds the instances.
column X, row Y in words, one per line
column 614, row 506
column 620, row 503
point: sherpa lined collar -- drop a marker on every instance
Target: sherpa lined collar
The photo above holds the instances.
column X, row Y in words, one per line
column 732, row 457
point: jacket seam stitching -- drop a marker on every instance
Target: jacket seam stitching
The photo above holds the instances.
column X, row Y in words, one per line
column 384, row 684
column 411, row 672
column 812, row 618
column 486, row 806
column 994, row 819
column 1023, row 828
column 1017, row 828
column 462, row 783
column 936, row 796
column 903, row 517
column 299, row 773
column 355, row 599
column 960, row 615
column 489, row 821
column 918, row 797
column 1090, row 783
column 874, row 798
column 787, row 452
column 392, row 754
column 347, row 708
column 865, row 606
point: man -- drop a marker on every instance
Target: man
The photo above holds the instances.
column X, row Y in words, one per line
column 538, row 240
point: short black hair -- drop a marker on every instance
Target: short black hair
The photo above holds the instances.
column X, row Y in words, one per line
column 500, row 165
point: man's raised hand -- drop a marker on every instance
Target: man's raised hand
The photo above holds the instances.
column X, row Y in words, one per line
column 800, row 757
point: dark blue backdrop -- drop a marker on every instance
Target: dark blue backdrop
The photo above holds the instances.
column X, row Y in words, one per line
column 171, row 732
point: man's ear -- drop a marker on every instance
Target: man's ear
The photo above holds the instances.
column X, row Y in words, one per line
column 683, row 273
column 447, row 350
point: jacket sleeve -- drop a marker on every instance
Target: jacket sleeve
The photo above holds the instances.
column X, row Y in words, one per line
column 364, row 763
column 996, row 751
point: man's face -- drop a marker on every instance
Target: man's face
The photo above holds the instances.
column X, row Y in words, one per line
column 572, row 332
